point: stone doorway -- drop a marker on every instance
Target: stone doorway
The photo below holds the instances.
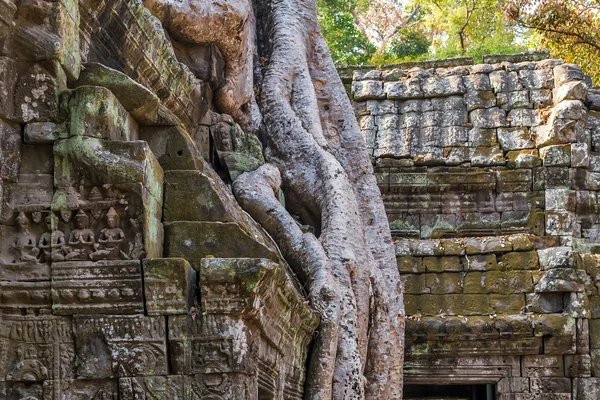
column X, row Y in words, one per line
column 450, row 392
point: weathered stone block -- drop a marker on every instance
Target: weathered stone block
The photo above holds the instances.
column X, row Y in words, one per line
column 544, row 303
column 410, row 264
column 8, row 81
column 442, row 283
column 36, row 348
column 551, row 385
column 443, row 86
column 364, row 90
column 514, row 180
column 102, row 287
column 556, row 257
column 513, row 100
column 519, row 260
column 86, row 388
column 520, row 159
column 562, row 280
column 410, row 88
column 542, row 366
column 169, row 286
column 481, row 263
column 572, row 90
column 580, row 155
column 197, row 240
column 537, row 78
column 441, row 264
column 96, row 112
column 37, row 93
column 10, row 151
column 111, row 346
column 556, row 156
column 165, row 387
column 503, row 81
column 488, row 118
column 586, row 388
column 507, row 303
column 566, row 72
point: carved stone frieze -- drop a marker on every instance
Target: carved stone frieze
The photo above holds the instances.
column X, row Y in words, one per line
column 120, row 346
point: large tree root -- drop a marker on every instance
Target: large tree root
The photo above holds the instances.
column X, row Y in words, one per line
column 318, row 157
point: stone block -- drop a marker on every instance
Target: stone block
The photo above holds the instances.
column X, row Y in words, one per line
column 578, row 366
column 572, row 90
column 441, row 264
column 197, row 240
column 20, row 390
column 521, row 242
column 544, row 303
column 27, row 297
column 173, row 147
column 410, row 264
column 586, row 388
column 415, row 284
column 482, row 137
column 103, row 287
column 487, row 156
column 551, row 385
column 80, row 388
column 556, row 257
column 165, row 387
column 556, row 156
column 169, row 286
column 431, row 304
column 36, row 348
column 140, row 102
column 566, row 72
column 537, row 78
column 443, row 86
column 507, row 303
column 562, row 280
column 595, row 358
column 408, row 89
column 524, row 117
column 477, row 82
column 479, row 99
column 513, row 100
column 37, row 93
column 595, row 333
column 523, row 260
column 542, row 366
column 483, row 282
column 520, row 159
column 580, row 155
column 120, row 346
column 503, row 81
column 443, row 283
column 10, row 151
column 364, row 90
column 8, row 81
column 467, row 304
column 518, row 282
column 96, row 112
column 478, row 262
column 488, row 118
column 541, row 98
column 514, row 180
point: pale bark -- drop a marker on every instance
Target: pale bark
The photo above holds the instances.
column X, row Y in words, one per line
column 317, row 156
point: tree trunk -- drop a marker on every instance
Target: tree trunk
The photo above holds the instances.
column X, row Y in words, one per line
column 317, row 156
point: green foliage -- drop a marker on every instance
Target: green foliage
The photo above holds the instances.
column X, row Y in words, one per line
column 569, row 29
column 470, row 28
column 347, row 45
column 410, row 42
column 439, row 29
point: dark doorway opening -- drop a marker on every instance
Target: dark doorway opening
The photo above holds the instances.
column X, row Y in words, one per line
column 450, row 392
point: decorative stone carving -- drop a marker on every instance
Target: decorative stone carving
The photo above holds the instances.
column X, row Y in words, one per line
column 126, row 346
column 170, row 286
column 102, row 287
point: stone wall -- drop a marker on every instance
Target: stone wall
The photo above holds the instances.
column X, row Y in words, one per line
column 489, row 175
column 127, row 268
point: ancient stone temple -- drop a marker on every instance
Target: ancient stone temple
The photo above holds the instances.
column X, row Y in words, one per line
column 129, row 271
column 490, row 177
column 127, row 268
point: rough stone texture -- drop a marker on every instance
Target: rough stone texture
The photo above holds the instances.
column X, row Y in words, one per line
column 491, row 190
column 99, row 123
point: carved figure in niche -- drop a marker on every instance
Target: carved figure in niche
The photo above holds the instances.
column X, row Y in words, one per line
column 28, row 367
column 95, row 197
column 25, row 244
column 110, row 239
column 52, row 243
column 81, row 240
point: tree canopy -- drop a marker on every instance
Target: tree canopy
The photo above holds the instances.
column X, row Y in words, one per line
column 569, row 29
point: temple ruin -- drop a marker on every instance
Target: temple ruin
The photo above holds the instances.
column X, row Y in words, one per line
column 129, row 271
